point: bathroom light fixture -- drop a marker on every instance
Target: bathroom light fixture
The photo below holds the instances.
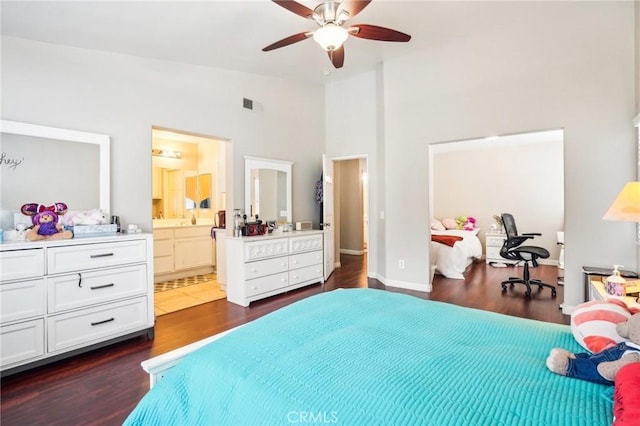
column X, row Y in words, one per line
column 330, row 37
column 626, row 206
column 166, row 153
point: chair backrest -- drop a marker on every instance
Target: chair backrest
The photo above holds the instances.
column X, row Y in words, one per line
column 509, row 225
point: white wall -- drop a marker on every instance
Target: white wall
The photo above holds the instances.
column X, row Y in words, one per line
column 124, row 96
column 354, row 128
column 558, row 66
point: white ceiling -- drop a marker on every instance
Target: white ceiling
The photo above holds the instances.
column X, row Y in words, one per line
column 231, row 34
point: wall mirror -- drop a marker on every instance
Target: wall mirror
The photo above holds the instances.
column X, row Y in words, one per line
column 41, row 164
column 185, row 175
column 267, row 189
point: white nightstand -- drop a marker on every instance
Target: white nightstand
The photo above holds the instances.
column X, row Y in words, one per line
column 492, row 244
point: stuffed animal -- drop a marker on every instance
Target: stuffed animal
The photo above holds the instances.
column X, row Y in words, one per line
column 600, row 367
column 89, row 217
column 45, row 222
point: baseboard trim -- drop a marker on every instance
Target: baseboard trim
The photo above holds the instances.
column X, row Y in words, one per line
column 406, row 285
column 352, row 252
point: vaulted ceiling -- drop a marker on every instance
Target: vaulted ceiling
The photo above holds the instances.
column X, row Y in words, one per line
column 231, row 34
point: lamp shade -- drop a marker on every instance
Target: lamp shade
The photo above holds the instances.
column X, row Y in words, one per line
column 330, row 37
column 626, row 206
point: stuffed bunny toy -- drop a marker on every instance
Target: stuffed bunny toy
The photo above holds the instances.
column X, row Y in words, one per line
column 600, row 367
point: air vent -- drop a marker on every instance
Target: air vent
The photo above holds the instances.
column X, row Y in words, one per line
column 247, row 103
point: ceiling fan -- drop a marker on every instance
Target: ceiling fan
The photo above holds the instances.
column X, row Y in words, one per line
column 330, row 16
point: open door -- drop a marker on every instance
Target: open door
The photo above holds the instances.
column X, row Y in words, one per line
column 327, row 214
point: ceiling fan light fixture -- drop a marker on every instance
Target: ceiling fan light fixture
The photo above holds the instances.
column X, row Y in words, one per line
column 330, row 37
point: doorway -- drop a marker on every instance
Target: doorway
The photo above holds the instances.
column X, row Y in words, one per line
column 188, row 191
column 351, row 207
column 522, row 174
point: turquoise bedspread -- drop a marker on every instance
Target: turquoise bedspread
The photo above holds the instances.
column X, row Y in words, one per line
column 372, row 357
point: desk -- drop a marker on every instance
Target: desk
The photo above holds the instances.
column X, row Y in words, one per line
column 597, row 292
column 590, row 272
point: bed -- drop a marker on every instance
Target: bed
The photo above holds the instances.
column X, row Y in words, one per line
column 451, row 261
column 365, row 356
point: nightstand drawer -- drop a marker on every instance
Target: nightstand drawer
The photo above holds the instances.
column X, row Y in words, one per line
column 495, row 241
column 90, row 256
column 89, row 288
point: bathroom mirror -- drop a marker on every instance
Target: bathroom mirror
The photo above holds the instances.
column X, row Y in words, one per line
column 267, row 189
column 42, row 164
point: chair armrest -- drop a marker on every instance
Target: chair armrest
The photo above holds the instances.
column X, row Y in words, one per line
column 531, row 234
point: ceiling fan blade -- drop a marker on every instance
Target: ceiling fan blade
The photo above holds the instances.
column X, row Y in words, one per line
column 374, row 32
column 287, row 41
column 337, row 57
column 295, row 7
column 353, row 7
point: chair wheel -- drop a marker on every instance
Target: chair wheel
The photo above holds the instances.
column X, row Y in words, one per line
column 553, row 293
column 511, row 285
column 527, row 293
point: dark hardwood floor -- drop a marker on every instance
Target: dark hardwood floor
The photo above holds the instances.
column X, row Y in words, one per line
column 101, row 387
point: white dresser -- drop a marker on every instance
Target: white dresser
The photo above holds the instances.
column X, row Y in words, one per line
column 263, row 266
column 59, row 298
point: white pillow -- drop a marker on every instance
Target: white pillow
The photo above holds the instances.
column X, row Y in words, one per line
column 436, row 225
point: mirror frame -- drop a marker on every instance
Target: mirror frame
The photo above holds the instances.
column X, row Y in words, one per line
column 251, row 163
column 103, row 142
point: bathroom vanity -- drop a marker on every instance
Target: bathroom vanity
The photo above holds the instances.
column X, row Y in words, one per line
column 183, row 251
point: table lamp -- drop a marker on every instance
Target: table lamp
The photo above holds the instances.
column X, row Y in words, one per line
column 626, row 206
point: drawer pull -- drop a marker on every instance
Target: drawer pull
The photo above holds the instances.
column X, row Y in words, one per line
column 102, row 322
column 95, row 256
column 79, row 280
column 98, row 287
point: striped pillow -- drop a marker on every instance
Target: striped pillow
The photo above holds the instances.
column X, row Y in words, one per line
column 593, row 324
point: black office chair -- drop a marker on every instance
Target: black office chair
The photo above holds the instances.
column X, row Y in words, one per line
column 513, row 249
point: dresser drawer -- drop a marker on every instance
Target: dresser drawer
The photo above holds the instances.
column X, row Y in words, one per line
column 305, row 259
column 266, row 284
column 266, row 267
column 22, row 300
column 90, row 256
column 81, row 328
column 79, row 290
column 18, row 264
column 257, row 250
column 21, row 342
column 305, row 274
column 305, row 243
